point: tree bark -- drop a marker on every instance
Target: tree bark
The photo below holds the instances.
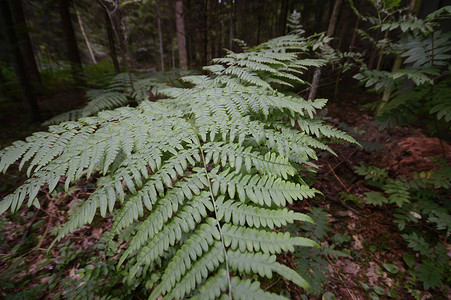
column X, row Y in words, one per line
column 283, row 17
column 71, row 43
column 85, row 37
column 12, row 41
column 318, row 13
column 330, row 32
column 334, row 18
column 232, row 14
column 173, row 54
column 121, row 38
column 207, row 48
column 160, row 36
column 180, row 25
column 111, row 44
column 25, row 42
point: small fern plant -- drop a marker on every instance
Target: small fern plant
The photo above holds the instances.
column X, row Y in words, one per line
column 199, row 181
column 423, row 216
column 123, row 89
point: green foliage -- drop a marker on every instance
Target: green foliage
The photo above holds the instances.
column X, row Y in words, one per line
column 123, row 89
column 312, row 262
column 426, row 54
column 195, row 183
column 423, row 215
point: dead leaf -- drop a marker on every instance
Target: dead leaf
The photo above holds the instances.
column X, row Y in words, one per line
column 357, row 241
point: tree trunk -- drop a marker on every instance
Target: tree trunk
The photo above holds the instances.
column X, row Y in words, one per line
column 18, row 60
column 121, row 38
column 71, row 43
column 283, row 17
column 315, row 84
column 334, row 18
column 344, row 29
column 413, row 9
column 85, row 37
column 354, row 35
column 231, row 24
column 318, row 14
column 25, row 42
column 180, row 25
column 160, row 36
column 6, row 90
column 173, row 54
column 111, row 44
column 260, row 20
column 330, row 32
column 207, row 48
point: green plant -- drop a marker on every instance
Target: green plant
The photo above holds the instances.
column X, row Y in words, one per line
column 422, row 213
column 198, row 181
column 418, row 84
column 313, row 262
column 123, row 89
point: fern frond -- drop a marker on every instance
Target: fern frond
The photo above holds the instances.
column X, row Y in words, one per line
column 194, row 183
column 248, row 239
column 199, row 271
column 264, row 265
column 254, row 216
column 260, row 189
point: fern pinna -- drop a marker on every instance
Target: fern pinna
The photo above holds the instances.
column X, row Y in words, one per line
column 201, row 178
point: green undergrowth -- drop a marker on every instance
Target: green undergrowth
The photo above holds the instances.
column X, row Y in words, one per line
column 422, row 213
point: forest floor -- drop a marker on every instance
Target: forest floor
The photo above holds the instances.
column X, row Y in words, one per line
column 365, row 233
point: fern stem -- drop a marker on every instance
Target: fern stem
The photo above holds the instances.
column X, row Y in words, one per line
column 215, row 207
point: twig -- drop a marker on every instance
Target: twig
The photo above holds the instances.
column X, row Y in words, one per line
column 346, row 206
column 338, row 178
column 45, row 232
column 342, row 161
column 29, row 227
column 346, row 283
column 273, row 284
column 352, row 296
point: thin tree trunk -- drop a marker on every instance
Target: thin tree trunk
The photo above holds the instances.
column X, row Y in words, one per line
column 85, row 37
column 6, row 90
column 315, row 83
column 354, row 34
column 180, row 25
column 260, row 19
column 18, row 60
column 334, row 18
column 207, row 53
column 121, row 43
column 160, row 36
column 318, row 13
column 25, row 42
column 330, row 32
column 381, row 56
column 222, row 38
column 344, row 19
column 231, row 24
column 387, row 92
column 413, row 7
column 71, row 43
column 283, row 17
column 173, row 54
column 111, row 44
